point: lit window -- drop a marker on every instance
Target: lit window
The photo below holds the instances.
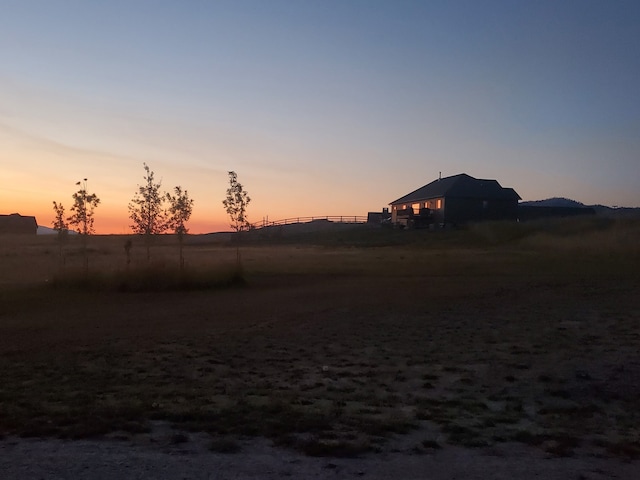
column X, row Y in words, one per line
column 439, row 203
column 416, row 208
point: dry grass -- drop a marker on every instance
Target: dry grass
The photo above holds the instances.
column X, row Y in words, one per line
column 331, row 350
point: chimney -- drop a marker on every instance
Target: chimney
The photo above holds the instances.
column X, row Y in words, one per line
column 439, row 176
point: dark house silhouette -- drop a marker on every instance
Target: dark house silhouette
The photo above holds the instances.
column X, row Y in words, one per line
column 455, row 200
column 17, row 224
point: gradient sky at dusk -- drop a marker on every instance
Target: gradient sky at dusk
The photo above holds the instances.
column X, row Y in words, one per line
column 322, row 107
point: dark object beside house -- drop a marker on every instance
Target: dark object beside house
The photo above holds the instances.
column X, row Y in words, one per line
column 455, row 200
column 17, row 224
column 379, row 218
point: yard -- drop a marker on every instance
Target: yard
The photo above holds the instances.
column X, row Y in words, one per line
column 468, row 338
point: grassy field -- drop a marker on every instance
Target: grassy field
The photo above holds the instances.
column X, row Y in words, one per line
column 332, row 343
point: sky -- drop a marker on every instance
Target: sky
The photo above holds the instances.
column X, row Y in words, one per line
column 322, row 107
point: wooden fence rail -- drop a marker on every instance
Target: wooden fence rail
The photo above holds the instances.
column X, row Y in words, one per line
column 293, row 220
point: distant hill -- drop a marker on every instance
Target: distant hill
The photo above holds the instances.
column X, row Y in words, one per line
column 50, row 231
column 561, row 202
column 45, row 230
column 554, row 202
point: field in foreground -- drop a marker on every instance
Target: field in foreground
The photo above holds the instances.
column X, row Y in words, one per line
column 471, row 338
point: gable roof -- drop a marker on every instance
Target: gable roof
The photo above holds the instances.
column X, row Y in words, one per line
column 462, row 186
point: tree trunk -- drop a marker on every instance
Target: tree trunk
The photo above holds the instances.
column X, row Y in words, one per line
column 180, row 245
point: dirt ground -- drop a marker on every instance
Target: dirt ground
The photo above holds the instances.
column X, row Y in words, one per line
column 105, row 460
column 419, row 361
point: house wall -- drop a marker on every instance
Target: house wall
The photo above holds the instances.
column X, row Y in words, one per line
column 401, row 215
column 504, row 209
column 461, row 210
column 400, row 212
column 436, row 205
column 438, row 213
column 464, row 210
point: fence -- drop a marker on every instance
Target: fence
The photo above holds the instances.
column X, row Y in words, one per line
column 293, row 220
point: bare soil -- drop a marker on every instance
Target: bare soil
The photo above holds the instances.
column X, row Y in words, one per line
column 471, row 360
column 258, row 459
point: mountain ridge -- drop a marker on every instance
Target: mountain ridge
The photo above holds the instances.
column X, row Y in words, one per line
column 563, row 202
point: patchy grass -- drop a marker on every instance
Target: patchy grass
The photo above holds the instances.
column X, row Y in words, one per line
column 331, row 350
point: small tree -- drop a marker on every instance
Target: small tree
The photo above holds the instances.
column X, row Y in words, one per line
column 180, row 208
column 236, row 204
column 236, row 207
column 146, row 210
column 84, row 205
column 61, row 226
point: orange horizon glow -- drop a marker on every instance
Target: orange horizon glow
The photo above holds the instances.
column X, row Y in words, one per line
column 30, row 195
column 108, row 223
column 113, row 224
column 112, row 220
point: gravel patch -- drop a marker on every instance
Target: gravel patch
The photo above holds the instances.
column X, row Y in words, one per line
column 191, row 459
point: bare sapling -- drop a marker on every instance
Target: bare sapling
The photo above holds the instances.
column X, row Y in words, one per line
column 235, row 205
column 83, row 209
column 180, row 209
column 146, row 210
column 61, row 226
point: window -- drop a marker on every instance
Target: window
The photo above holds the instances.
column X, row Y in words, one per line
column 439, row 203
column 416, row 208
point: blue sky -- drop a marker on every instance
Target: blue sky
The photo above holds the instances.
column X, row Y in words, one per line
column 321, row 107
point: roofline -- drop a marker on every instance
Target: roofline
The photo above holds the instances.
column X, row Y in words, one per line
column 400, row 201
column 439, row 179
column 395, row 202
column 420, row 199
